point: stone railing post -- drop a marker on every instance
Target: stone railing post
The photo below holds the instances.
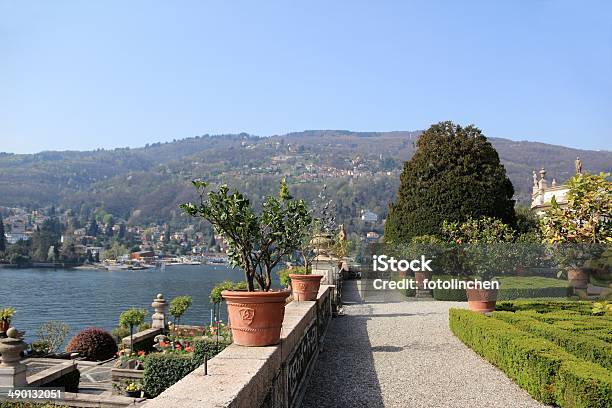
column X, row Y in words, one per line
column 159, row 317
column 12, row 370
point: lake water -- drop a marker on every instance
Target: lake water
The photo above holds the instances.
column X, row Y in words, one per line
column 86, row 298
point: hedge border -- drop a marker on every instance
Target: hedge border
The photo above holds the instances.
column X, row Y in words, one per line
column 546, row 371
column 505, row 292
column 161, row 370
column 580, row 345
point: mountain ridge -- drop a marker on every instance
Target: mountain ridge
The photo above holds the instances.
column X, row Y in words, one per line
column 146, row 183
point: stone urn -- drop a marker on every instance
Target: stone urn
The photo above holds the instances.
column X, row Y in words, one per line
column 322, row 243
column 255, row 318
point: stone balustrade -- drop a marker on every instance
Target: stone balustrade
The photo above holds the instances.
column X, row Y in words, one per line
column 250, row 377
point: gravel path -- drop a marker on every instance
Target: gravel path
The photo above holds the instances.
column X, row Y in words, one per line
column 400, row 353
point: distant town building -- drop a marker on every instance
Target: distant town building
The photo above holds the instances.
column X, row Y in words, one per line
column 144, row 256
column 18, row 232
column 372, row 236
column 368, row 216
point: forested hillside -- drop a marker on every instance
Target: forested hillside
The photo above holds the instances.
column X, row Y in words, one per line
column 146, row 184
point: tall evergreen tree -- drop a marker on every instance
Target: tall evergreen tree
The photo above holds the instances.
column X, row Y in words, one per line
column 454, row 174
column 2, row 237
column 122, row 230
column 92, row 228
column 46, row 235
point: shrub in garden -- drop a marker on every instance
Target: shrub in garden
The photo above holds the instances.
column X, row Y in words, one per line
column 457, row 295
column 207, row 348
column 580, row 344
column 546, row 371
column 52, row 334
column 161, row 370
column 164, row 369
column 93, row 344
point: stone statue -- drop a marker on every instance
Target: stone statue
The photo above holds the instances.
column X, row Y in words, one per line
column 535, row 179
column 342, row 233
column 578, row 165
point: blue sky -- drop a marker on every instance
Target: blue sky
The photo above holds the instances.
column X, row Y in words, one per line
column 85, row 74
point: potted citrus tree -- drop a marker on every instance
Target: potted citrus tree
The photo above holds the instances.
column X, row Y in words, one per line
column 317, row 239
column 257, row 243
column 487, row 251
column 580, row 231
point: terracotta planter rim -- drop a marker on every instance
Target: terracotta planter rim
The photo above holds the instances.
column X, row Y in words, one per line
column 274, row 293
column 305, row 276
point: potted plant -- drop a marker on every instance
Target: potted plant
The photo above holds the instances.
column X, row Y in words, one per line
column 304, row 285
column 580, row 231
column 133, row 389
column 257, row 243
column 486, row 246
column 317, row 240
column 6, row 315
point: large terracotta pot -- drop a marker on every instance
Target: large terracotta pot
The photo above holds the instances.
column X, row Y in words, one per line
column 482, row 300
column 255, row 318
column 305, row 287
column 578, row 278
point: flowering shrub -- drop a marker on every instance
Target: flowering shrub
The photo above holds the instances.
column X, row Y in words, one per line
column 93, row 344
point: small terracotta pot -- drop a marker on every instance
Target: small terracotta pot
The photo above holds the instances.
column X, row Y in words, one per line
column 305, row 287
column 4, row 325
column 419, row 277
column 482, row 300
column 520, row 270
column 255, row 318
column 578, row 278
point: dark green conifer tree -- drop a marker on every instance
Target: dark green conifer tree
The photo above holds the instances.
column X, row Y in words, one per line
column 2, row 237
column 454, row 174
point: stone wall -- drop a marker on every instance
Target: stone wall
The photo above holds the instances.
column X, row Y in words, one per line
column 250, row 377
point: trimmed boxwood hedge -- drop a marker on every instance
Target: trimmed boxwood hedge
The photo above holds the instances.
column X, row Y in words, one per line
column 161, row 370
column 581, row 345
column 511, row 288
column 546, row 371
column 559, row 308
column 457, row 295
